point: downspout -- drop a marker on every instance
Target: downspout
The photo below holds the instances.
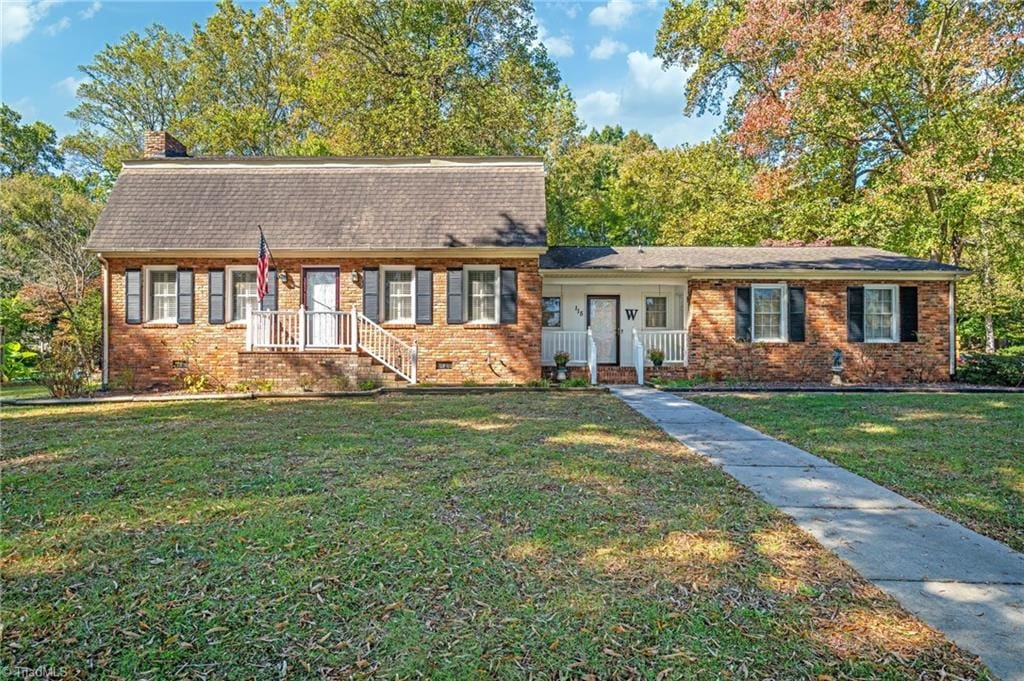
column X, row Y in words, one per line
column 952, row 328
column 105, row 273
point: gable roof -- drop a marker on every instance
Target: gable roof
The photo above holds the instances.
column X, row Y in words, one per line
column 704, row 258
column 323, row 204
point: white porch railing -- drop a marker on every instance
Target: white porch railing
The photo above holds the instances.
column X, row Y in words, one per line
column 675, row 345
column 301, row 330
column 553, row 341
column 384, row 346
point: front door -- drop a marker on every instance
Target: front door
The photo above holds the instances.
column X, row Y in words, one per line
column 603, row 320
column 321, row 303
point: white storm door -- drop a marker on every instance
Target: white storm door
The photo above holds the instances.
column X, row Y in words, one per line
column 321, row 306
column 603, row 318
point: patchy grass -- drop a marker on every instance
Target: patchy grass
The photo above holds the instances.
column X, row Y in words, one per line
column 960, row 454
column 477, row 536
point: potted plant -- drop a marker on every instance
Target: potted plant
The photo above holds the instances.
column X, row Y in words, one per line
column 561, row 361
column 657, row 357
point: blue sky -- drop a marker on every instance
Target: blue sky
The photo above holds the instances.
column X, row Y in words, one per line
column 603, row 49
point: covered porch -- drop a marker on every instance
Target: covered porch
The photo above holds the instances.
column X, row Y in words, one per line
column 614, row 321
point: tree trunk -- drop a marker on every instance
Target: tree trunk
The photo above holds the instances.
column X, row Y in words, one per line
column 990, row 334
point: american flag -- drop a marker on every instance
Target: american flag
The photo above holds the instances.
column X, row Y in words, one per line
column 262, row 269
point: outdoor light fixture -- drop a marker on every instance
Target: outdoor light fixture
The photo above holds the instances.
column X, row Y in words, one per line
column 355, row 276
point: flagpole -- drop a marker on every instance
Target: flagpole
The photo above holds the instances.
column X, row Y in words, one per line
column 273, row 260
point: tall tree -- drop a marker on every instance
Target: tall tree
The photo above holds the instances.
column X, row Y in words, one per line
column 247, row 68
column 29, row 148
column 899, row 114
column 701, row 195
column 581, row 189
column 132, row 86
column 438, row 77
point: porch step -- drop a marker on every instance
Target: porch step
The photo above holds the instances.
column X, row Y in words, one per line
column 315, row 370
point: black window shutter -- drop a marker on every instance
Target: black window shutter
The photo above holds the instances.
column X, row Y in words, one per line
column 908, row 314
column 269, row 301
column 743, row 313
column 509, row 314
column 186, row 297
column 797, row 314
column 424, row 296
column 455, row 311
column 133, row 296
column 215, row 284
column 371, row 293
column 855, row 314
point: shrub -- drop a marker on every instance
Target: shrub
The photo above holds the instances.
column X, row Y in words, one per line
column 538, row 383
column 994, row 369
column 575, row 383
column 63, row 371
column 368, row 384
column 18, row 363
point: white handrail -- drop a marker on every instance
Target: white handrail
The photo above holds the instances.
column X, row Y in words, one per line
column 592, row 356
column 385, row 347
column 638, row 358
column 299, row 330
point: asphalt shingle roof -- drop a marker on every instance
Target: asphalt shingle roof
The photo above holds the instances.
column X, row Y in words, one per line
column 697, row 258
column 200, row 205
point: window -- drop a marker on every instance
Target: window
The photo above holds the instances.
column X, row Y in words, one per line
column 398, row 295
column 655, row 312
column 769, row 312
column 551, row 312
column 880, row 317
column 482, row 295
column 162, row 298
column 243, row 294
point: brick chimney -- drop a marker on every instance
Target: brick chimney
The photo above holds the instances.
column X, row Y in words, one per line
column 160, row 144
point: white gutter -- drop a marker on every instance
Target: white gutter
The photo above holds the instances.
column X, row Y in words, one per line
column 952, row 328
column 105, row 369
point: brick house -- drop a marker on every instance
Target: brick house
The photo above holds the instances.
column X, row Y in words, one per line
column 437, row 270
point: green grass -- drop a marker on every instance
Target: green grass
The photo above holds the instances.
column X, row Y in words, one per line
column 470, row 536
column 960, row 454
column 21, row 391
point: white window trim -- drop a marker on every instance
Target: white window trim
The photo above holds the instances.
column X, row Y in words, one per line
column 466, row 269
column 894, row 327
column 560, row 317
column 147, row 294
column 229, row 291
column 783, row 311
column 668, row 310
column 382, row 298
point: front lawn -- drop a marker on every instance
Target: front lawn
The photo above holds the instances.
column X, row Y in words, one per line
column 960, row 454
column 479, row 536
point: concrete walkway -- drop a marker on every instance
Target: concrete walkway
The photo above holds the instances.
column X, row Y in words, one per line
column 968, row 586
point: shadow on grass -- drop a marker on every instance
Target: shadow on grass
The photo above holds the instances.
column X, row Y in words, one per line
column 440, row 535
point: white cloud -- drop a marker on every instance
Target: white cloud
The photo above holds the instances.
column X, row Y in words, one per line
column 557, row 46
column 614, row 14
column 607, row 48
column 18, row 19
column 58, row 26
column 90, row 11
column 572, row 11
column 69, row 85
column 648, row 73
column 599, row 106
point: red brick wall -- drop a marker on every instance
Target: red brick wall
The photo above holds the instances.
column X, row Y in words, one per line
column 481, row 353
column 714, row 352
